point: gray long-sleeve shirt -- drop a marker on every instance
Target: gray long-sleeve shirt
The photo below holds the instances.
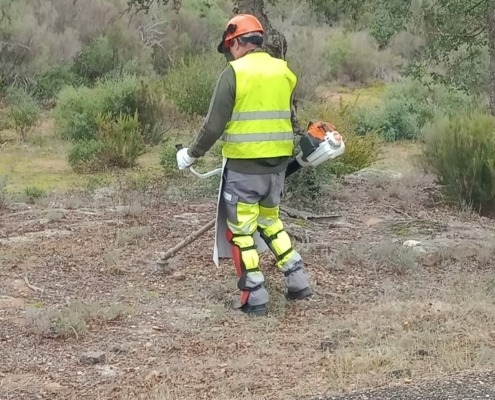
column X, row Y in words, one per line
column 219, row 114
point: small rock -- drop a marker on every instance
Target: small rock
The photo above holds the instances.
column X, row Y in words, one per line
column 400, row 373
column 153, row 376
column 93, row 357
column 328, row 345
column 423, row 353
column 104, row 193
column 373, row 174
column 107, row 370
column 52, row 386
column 121, row 349
column 374, row 221
column 432, row 259
column 411, row 243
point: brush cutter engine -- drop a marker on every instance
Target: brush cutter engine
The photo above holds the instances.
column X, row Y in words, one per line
column 321, row 143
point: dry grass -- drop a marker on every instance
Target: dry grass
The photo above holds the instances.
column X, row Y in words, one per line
column 53, row 215
column 113, row 263
column 73, row 320
column 414, row 332
column 131, row 235
column 395, row 257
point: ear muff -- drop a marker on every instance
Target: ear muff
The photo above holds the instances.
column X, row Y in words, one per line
column 223, row 47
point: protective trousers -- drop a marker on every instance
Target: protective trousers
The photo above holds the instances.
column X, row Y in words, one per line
column 252, row 203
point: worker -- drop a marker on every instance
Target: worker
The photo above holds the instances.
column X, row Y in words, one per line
column 251, row 111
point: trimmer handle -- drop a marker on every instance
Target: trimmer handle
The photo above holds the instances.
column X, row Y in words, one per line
column 206, row 175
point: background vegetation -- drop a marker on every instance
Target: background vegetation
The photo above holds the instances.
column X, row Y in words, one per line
column 120, row 82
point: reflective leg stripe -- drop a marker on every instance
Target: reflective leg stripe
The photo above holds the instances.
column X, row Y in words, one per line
column 248, row 254
column 242, row 234
column 272, row 231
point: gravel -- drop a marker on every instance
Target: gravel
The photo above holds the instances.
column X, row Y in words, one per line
column 467, row 387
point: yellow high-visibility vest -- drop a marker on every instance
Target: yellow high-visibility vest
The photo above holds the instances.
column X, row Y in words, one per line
column 260, row 126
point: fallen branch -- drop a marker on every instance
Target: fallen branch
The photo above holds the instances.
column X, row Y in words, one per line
column 398, row 211
column 32, row 287
column 293, row 213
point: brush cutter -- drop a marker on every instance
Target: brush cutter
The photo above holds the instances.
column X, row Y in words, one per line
column 319, row 144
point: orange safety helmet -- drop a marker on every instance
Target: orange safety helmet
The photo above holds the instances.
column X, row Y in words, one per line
column 239, row 25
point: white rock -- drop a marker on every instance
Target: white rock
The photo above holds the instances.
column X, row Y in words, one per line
column 411, row 243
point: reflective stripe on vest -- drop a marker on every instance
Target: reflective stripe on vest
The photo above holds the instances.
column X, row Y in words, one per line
column 258, row 137
column 260, row 125
column 257, row 115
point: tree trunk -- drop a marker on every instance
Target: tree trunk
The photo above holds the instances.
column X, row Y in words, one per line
column 491, row 46
column 275, row 43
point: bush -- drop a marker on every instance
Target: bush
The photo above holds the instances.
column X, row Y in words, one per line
column 95, row 59
column 23, row 111
column 355, row 57
column 168, row 159
column 77, row 108
column 191, row 83
column 3, row 192
column 75, row 112
column 461, row 152
column 84, row 156
column 394, row 121
column 118, row 144
column 361, row 151
column 121, row 140
column 34, row 193
column 408, row 106
column 52, row 81
column 307, row 62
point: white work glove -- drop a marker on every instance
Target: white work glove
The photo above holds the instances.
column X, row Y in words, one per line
column 184, row 160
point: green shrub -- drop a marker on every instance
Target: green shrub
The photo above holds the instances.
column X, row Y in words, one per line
column 75, row 112
column 84, row 156
column 23, row 111
column 355, row 57
column 121, row 140
column 77, row 108
column 467, row 68
column 461, row 152
column 3, row 191
column 95, row 59
column 118, row 145
column 34, row 193
column 154, row 111
column 168, row 159
column 52, row 81
column 408, row 106
column 394, row 121
column 190, row 84
column 361, row 151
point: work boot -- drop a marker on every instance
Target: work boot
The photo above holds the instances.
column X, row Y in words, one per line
column 256, row 303
column 257, row 311
column 296, row 280
column 300, row 295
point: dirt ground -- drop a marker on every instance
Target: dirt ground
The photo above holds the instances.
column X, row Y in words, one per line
column 403, row 292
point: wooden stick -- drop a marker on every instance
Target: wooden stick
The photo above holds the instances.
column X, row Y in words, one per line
column 32, row 287
column 304, row 215
column 191, row 238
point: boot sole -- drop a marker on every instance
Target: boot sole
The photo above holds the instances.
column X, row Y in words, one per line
column 257, row 311
column 301, row 295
